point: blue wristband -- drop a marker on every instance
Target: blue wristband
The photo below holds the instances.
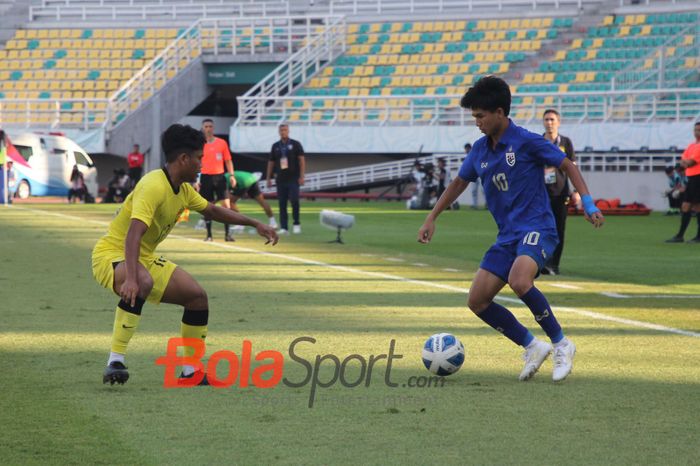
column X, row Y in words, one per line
column 588, row 205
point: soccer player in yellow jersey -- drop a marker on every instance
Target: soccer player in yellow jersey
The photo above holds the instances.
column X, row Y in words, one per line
column 124, row 260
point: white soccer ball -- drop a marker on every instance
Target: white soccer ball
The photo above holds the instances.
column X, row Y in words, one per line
column 443, row 354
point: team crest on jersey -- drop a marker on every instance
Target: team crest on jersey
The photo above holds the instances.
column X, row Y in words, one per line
column 510, row 157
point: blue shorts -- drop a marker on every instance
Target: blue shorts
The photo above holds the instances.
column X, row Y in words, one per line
column 500, row 257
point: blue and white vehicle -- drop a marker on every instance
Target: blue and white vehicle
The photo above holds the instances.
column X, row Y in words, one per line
column 43, row 164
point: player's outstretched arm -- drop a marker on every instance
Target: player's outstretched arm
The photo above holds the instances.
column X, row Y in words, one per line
column 223, row 215
column 454, row 189
column 592, row 213
column 129, row 290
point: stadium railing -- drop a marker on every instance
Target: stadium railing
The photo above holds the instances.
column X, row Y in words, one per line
column 116, row 10
column 605, row 106
column 208, row 36
column 294, row 71
column 357, row 7
column 372, row 173
column 650, row 70
column 363, row 175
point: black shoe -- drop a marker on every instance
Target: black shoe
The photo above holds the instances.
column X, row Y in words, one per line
column 550, row 270
column 208, row 239
column 675, row 239
column 115, row 373
column 229, row 238
column 544, row 271
column 694, row 240
column 203, row 383
column 554, row 269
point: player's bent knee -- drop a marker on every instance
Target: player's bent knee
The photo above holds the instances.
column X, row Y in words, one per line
column 198, row 299
column 520, row 285
column 145, row 284
column 476, row 304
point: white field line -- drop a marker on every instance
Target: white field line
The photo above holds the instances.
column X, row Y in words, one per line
column 451, row 270
column 394, row 259
column 652, row 296
column 564, row 286
column 386, row 276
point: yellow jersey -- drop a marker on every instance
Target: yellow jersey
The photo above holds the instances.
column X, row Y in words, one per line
column 156, row 203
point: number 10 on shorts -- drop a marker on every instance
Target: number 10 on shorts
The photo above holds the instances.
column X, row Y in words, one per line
column 532, row 238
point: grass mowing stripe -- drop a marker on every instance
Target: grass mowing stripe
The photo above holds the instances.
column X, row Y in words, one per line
column 398, row 278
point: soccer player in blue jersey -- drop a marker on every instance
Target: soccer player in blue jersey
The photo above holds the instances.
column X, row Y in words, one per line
column 509, row 160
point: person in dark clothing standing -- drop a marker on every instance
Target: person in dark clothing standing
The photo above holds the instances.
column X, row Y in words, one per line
column 288, row 164
column 557, row 185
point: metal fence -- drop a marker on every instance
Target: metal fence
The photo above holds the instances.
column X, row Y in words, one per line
column 294, row 71
column 129, row 10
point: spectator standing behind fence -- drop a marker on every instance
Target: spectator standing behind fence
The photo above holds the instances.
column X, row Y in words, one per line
column 77, row 186
column 288, row 164
column 557, row 185
column 135, row 161
column 675, row 190
column 690, row 160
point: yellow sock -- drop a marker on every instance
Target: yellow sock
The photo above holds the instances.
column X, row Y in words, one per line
column 125, row 324
column 192, row 331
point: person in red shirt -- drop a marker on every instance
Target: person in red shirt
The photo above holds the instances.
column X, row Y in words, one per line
column 690, row 160
column 212, row 184
column 135, row 161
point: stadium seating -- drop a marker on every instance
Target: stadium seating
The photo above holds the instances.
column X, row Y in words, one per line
column 421, row 58
column 590, row 63
column 75, row 64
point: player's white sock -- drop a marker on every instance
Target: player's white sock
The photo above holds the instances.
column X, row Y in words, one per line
column 272, row 222
column 115, row 357
column 532, row 343
column 187, row 370
column 561, row 342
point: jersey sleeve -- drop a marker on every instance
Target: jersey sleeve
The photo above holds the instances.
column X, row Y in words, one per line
column 692, row 152
column 147, row 198
column 272, row 153
column 300, row 149
column 225, row 150
column 194, row 200
column 467, row 171
column 544, row 151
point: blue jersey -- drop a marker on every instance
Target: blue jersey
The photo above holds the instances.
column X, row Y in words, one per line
column 512, row 175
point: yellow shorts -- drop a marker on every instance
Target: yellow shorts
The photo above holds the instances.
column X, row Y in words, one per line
column 104, row 260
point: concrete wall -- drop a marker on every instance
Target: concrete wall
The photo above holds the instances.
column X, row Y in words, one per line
column 177, row 98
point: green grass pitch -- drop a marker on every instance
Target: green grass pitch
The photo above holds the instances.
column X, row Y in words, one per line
column 633, row 396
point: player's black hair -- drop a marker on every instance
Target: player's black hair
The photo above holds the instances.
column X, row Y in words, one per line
column 468, row 146
column 551, row 110
column 178, row 139
column 489, row 93
column 697, row 123
column 208, row 120
column 669, row 169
